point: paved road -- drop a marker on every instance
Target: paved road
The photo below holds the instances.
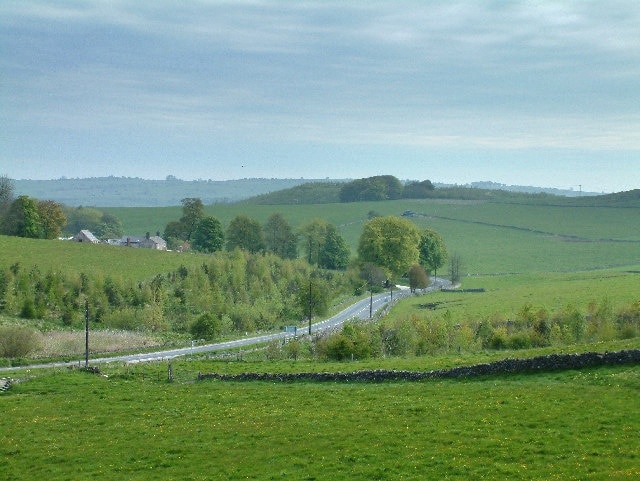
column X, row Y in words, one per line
column 360, row 309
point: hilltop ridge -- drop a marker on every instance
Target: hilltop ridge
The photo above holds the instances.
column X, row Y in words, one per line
column 137, row 192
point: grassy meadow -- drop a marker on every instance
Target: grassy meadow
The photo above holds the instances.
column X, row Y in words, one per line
column 572, row 425
column 489, row 237
column 131, row 423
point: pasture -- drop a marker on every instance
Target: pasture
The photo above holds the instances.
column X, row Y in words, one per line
column 571, row 425
column 489, row 237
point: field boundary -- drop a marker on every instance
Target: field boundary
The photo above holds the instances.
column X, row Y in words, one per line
column 551, row 362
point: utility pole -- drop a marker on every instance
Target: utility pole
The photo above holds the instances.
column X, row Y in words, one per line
column 371, row 304
column 86, row 333
column 310, row 305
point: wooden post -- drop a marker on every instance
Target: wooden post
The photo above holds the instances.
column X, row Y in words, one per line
column 86, row 333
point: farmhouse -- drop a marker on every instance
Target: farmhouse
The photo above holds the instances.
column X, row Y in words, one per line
column 146, row 242
column 85, row 236
column 154, row 242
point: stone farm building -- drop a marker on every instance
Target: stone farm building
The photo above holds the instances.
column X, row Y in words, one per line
column 85, row 236
column 146, row 242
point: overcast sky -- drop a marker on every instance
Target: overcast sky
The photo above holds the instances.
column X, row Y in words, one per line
column 522, row 92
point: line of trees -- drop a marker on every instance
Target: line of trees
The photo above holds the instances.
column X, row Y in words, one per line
column 324, row 246
column 25, row 216
column 384, row 187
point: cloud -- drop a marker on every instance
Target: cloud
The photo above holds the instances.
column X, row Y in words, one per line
column 500, row 75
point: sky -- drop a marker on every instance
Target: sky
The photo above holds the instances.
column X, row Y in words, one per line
column 543, row 93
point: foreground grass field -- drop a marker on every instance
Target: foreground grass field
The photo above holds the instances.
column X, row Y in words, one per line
column 133, row 424
column 566, row 425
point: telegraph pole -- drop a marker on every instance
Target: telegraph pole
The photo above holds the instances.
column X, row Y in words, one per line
column 310, row 306
column 86, row 333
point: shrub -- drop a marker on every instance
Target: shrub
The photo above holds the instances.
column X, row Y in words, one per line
column 498, row 338
column 520, row 340
column 207, row 327
column 18, row 341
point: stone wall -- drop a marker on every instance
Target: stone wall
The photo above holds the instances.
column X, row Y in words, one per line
column 552, row 362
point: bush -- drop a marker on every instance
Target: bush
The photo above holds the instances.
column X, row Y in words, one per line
column 207, row 327
column 520, row 340
column 18, row 341
column 498, row 339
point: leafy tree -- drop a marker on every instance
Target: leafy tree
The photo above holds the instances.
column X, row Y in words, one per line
column 22, row 219
column 454, row 268
column 52, row 218
column 175, row 233
column 6, row 194
column 418, row 190
column 313, row 235
column 325, row 247
column 82, row 218
column 280, row 238
column 245, row 233
column 208, row 235
column 207, row 327
column 379, row 187
column 110, row 227
column 313, row 298
column 192, row 213
column 433, row 252
column 374, row 276
column 335, row 252
column 418, row 278
column 390, row 242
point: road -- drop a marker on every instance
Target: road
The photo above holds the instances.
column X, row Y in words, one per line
column 360, row 310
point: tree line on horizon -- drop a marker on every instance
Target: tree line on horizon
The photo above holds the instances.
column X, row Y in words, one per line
column 25, row 216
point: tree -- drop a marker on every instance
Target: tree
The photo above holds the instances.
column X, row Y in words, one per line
column 52, row 218
column 374, row 276
column 313, row 298
column 418, row 190
column 206, row 327
column 175, row 233
column 208, row 235
column 22, row 219
column 110, row 227
column 454, row 268
column 433, row 252
column 279, row 237
column 335, row 252
column 418, row 278
column 379, row 187
column 245, row 233
column 313, row 235
column 192, row 213
column 6, row 194
column 325, row 246
column 390, row 242
column 82, row 218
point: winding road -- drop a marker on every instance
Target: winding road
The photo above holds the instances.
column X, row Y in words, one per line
column 360, row 310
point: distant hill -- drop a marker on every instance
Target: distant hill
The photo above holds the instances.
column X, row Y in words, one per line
column 136, row 192
column 329, row 192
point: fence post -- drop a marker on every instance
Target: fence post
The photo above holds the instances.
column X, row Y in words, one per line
column 170, row 372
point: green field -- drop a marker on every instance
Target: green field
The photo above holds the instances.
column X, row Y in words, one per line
column 490, row 237
column 572, row 425
column 575, row 425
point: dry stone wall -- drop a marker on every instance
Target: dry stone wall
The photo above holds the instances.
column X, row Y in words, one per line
column 552, row 362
